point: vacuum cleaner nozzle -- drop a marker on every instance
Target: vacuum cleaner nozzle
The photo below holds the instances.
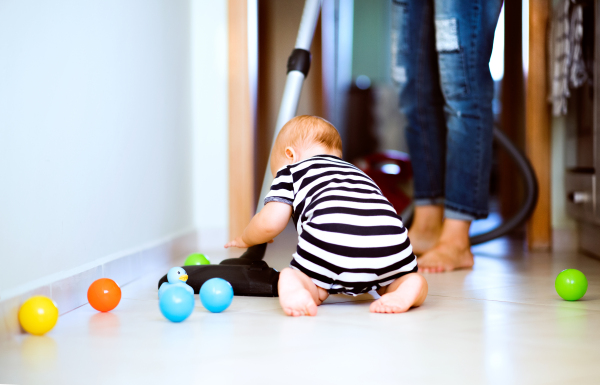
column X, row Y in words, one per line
column 248, row 275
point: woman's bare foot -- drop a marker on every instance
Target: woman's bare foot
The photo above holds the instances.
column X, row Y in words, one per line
column 426, row 228
column 453, row 251
column 407, row 291
column 298, row 295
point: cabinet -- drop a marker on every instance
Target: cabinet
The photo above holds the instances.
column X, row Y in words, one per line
column 583, row 142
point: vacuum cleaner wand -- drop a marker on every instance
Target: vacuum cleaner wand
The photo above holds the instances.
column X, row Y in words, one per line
column 297, row 69
column 249, row 274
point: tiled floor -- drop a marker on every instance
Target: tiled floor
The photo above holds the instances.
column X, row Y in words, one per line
column 500, row 323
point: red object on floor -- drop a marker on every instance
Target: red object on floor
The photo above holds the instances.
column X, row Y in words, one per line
column 392, row 172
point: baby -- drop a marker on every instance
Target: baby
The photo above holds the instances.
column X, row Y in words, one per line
column 350, row 239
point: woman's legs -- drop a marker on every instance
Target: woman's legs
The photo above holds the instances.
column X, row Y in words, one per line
column 415, row 70
column 426, row 228
column 464, row 39
column 452, row 250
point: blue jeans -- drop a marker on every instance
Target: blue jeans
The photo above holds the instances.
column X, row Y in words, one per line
column 440, row 52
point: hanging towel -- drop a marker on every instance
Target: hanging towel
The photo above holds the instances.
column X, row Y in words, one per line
column 560, row 59
column 578, row 73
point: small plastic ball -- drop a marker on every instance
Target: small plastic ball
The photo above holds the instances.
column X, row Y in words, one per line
column 104, row 294
column 571, row 284
column 196, row 259
column 216, row 295
column 38, row 315
column 176, row 303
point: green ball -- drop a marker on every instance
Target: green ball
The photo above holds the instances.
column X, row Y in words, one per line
column 571, row 284
column 196, row 259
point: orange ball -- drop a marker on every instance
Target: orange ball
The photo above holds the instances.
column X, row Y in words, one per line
column 104, row 294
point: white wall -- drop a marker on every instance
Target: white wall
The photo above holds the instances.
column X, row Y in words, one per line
column 96, row 130
column 210, row 117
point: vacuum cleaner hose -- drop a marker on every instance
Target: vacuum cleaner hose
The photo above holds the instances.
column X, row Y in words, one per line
column 531, row 192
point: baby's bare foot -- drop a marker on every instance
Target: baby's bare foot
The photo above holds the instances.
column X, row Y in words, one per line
column 294, row 295
column 408, row 291
column 446, row 256
column 298, row 303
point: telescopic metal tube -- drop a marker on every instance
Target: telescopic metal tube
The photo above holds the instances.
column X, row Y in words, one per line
column 293, row 86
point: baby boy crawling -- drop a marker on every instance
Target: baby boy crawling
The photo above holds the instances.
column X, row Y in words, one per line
column 350, row 239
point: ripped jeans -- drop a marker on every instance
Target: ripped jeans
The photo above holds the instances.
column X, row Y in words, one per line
column 440, row 55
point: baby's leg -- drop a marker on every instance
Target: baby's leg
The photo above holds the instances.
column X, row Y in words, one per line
column 408, row 291
column 298, row 295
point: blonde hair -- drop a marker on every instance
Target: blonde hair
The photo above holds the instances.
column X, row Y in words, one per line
column 307, row 129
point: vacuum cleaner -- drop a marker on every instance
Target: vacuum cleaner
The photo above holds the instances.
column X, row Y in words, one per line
column 249, row 275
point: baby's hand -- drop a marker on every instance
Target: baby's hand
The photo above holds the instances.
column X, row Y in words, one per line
column 239, row 242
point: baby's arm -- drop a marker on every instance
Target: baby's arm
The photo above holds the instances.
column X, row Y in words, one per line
column 266, row 225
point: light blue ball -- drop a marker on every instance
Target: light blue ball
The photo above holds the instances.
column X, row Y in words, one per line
column 176, row 303
column 216, row 295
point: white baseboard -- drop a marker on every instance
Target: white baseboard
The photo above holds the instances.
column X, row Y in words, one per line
column 68, row 289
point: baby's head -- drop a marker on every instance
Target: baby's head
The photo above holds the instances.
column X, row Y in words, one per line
column 302, row 137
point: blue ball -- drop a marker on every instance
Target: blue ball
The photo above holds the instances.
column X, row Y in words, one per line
column 216, row 295
column 176, row 303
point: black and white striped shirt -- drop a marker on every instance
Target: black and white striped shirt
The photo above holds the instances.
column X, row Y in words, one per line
column 350, row 239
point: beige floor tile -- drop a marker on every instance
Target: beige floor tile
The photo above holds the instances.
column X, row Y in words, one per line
column 498, row 323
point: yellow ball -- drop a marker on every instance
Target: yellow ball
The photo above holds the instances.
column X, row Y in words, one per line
column 38, row 315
